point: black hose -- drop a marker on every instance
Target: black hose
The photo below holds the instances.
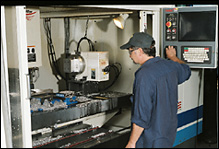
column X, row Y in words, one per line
column 50, row 47
column 91, row 47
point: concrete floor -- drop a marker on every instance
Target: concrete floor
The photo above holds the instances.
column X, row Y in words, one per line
column 199, row 142
column 202, row 142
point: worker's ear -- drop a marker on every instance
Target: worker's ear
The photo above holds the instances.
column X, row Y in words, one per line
column 141, row 51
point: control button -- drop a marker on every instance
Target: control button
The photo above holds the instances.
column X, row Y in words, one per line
column 174, row 30
column 168, row 30
column 168, row 24
column 168, row 37
column 173, row 37
column 174, row 23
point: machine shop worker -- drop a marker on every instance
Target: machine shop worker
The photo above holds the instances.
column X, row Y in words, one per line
column 155, row 93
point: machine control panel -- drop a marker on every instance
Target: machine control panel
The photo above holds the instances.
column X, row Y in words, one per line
column 193, row 33
column 171, row 27
column 196, row 54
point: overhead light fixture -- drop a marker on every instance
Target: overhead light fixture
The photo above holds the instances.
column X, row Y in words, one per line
column 120, row 20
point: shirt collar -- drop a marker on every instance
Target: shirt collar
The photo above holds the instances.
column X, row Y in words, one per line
column 152, row 60
column 148, row 62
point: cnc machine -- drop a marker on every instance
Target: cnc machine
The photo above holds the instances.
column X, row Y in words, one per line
column 77, row 80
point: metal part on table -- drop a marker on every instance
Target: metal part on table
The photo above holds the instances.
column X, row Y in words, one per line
column 91, row 106
column 86, row 107
column 83, row 86
column 55, row 134
column 52, row 101
column 78, row 136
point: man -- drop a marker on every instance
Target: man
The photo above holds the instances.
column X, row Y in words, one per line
column 155, row 93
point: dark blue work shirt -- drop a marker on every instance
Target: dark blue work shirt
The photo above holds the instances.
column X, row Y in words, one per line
column 154, row 101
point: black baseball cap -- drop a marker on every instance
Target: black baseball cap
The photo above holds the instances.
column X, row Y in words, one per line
column 140, row 39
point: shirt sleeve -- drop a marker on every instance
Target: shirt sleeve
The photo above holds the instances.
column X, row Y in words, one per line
column 143, row 104
column 184, row 73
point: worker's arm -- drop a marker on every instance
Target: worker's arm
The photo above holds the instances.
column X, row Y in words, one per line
column 135, row 134
column 171, row 54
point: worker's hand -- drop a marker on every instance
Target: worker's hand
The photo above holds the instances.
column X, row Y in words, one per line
column 130, row 145
column 171, row 52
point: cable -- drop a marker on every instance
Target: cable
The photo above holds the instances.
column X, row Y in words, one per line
column 67, row 34
column 117, row 73
column 91, row 46
column 50, row 47
column 85, row 35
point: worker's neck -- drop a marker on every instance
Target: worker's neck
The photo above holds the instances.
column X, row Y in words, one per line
column 145, row 58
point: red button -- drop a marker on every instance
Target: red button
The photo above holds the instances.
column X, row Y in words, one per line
column 168, row 24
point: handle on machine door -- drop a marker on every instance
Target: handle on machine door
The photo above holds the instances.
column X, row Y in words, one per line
column 28, row 86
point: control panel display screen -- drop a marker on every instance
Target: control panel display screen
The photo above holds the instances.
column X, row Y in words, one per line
column 197, row 26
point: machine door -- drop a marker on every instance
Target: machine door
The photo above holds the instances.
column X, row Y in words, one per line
column 15, row 90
